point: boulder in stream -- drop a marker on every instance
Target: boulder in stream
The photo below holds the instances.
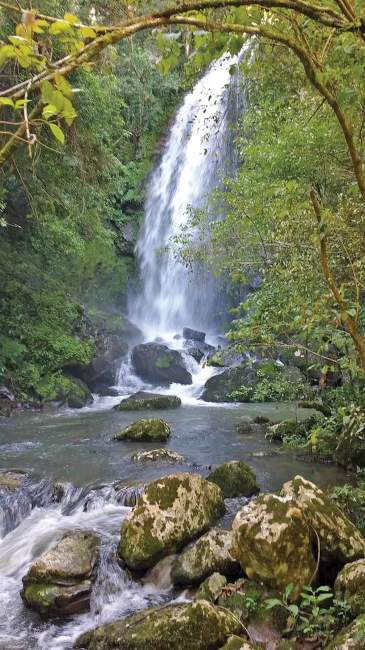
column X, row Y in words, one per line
column 192, row 626
column 153, row 430
column 220, row 387
column 143, row 400
column 171, row 512
column 190, row 334
column 59, row 582
column 271, row 540
column 340, row 541
column 158, row 364
column 209, row 554
column 211, row 588
column 158, row 455
column 12, row 480
column 235, row 478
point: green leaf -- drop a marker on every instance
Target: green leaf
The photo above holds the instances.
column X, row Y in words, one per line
column 87, row 32
column 6, row 101
column 49, row 111
column 47, row 91
column 57, row 132
column 273, row 602
column 59, row 27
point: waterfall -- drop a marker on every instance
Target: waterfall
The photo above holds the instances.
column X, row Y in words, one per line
column 198, row 155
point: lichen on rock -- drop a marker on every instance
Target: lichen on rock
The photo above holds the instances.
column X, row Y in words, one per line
column 210, row 553
column 211, row 588
column 271, row 541
column 157, row 455
column 59, row 582
column 153, row 430
column 340, row 541
column 192, row 626
column 172, row 511
column 350, row 586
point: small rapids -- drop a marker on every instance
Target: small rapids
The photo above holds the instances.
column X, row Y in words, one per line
column 34, row 530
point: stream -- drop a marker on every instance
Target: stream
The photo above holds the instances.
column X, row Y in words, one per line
column 76, row 448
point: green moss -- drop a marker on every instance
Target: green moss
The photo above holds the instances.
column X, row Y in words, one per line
column 235, row 479
column 155, row 402
column 163, row 361
column 150, row 430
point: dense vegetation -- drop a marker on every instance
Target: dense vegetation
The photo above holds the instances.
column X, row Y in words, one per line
column 70, row 215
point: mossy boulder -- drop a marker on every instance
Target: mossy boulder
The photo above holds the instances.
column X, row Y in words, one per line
column 220, row 387
column 59, row 582
column 350, row 450
column 159, row 365
column 350, row 586
column 211, row 588
column 235, row 478
column 171, row 512
column 164, row 455
column 153, row 430
column 351, row 637
column 277, row 432
column 143, row 400
column 210, row 553
column 192, row 626
column 64, row 390
column 340, row 541
column 272, row 543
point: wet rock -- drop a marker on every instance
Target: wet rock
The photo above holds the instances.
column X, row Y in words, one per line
column 79, row 395
column 192, row 626
column 153, row 430
column 59, row 582
column 277, row 432
column 340, row 541
column 261, row 419
column 211, row 588
column 142, row 400
column 220, row 387
column 171, row 512
column 245, row 428
column 350, row 450
column 103, row 369
column 193, row 335
column 209, row 554
column 7, row 402
column 158, row 364
column 350, row 586
column 351, row 638
column 197, row 350
column 235, row 478
column 272, row 543
column 12, row 480
column 158, row 455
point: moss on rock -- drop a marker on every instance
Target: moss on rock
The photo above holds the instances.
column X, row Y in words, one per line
column 341, row 542
column 272, row 543
column 351, row 638
column 142, row 400
column 211, row 588
column 158, row 455
column 59, row 582
column 193, row 626
column 210, row 553
column 277, row 432
column 171, row 512
column 350, row 586
column 235, row 478
column 153, row 430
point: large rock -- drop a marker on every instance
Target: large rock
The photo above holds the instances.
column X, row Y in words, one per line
column 153, row 430
column 271, row 541
column 235, row 478
column 79, row 395
column 158, row 364
column 210, row 553
column 59, row 582
column 340, row 541
column 192, row 626
column 350, row 586
column 193, row 335
column 220, row 387
column 171, row 512
column 142, row 400
column 12, row 480
column 351, row 638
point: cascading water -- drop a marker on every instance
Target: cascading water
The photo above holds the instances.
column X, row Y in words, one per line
column 198, row 155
